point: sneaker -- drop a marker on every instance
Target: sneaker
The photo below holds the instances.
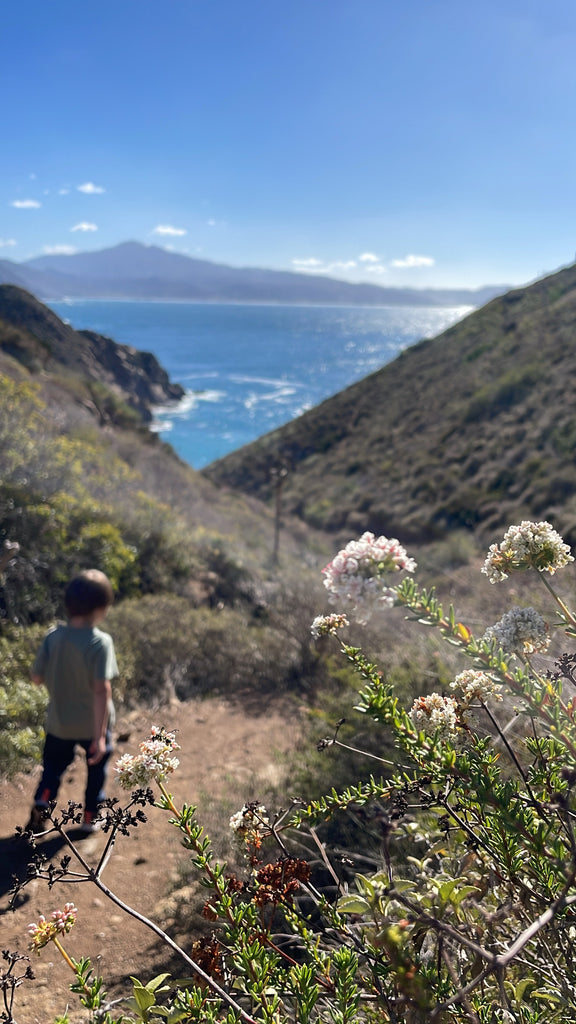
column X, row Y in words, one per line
column 90, row 824
column 37, row 822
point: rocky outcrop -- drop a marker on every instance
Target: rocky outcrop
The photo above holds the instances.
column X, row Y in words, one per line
column 137, row 374
column 37, row 338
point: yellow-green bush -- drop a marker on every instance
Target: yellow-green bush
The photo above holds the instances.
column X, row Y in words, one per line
column 22, row 705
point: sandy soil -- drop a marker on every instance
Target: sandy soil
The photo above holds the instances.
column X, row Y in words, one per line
column 229, row 755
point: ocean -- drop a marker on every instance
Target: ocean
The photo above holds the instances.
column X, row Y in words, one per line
column 250, row 368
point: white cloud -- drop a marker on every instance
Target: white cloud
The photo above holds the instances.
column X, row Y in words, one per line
column 91, row 189
column 7, row 241
column 84, row 226
column 167, row 229
column 414, row 261
column 369, row 257
column 341, row 265
column 309, row 264
column 59, row 250
column 63, row 191
column 314, row 266
column 211, row 223
column 376, row 268
column 26, row 204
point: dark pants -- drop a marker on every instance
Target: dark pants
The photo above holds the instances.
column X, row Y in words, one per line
column 58, row 754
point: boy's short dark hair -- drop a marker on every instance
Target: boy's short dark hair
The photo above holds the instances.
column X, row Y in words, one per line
column 88, row 592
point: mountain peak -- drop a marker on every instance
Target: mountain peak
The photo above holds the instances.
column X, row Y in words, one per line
column 134, row 270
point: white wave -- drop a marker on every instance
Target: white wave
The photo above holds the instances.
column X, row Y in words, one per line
column 277, row 397
column 281, row 382
column 162, row 426
column 210, row 396
column 194, row 375
column 181, row 409
column 190, row 401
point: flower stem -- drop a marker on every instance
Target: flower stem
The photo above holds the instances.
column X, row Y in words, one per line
column 568, row 615
column 70, row 962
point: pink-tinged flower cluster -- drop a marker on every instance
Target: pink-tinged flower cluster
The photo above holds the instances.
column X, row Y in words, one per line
column 435, row 715
column 325, row 624
column 520, row 631
column 475, row 685
column 528, row 546
column 152, row 764
column 42, row 932
column 358, row 575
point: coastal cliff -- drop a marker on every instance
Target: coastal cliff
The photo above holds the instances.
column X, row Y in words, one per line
column 38, row 339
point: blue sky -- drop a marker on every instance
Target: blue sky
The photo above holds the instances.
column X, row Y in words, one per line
column 404, row 142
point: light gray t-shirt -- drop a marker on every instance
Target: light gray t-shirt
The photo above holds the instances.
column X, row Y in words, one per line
column 70, row 660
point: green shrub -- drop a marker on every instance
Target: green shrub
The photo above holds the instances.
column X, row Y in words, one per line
column 168, row 647
column 509, row 389
column 22, row 704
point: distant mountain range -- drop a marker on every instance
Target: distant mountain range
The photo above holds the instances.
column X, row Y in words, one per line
column 135, row 271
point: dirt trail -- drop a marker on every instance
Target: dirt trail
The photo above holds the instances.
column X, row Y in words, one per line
column 227, row 756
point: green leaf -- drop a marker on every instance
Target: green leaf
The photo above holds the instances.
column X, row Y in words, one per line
column 462, row 893
column 445, row 891
column 403, row 884
column 547, row 997
column 154, row 985
column 521, row 987
column 364, row 884
column 353, row 905
column 143, row 997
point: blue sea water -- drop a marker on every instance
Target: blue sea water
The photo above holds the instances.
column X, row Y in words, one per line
column 250, row 368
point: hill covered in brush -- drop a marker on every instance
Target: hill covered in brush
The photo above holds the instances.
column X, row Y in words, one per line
column 201, row 605
column 109, row 374
column 473, row 429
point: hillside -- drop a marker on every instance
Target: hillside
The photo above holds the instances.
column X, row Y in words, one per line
column 135, row 271
column 473, row 429
column 203, row 606
column 39, row 340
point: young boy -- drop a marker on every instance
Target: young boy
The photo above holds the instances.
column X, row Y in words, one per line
column 76, row 662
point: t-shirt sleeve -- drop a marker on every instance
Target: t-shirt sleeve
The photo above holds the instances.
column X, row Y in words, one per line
column 104, row 658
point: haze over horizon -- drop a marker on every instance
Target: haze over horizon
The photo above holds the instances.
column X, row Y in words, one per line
column 424, row 145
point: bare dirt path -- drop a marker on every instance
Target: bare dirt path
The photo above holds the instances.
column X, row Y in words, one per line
column 228, row 756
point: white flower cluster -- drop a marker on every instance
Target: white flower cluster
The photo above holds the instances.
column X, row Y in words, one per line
column 253, row 818
column 324, row 624
column 520, row 631
column 475, row 685
column 528, row 546
column 152, row 764
column 435, row 715
column 356, row 574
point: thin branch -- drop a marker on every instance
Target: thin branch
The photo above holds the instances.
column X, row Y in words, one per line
column 462, row 995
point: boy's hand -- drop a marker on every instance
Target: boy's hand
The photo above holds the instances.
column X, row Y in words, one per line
column 97, row 750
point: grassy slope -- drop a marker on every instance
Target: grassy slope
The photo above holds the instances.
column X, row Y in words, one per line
column 473, row 429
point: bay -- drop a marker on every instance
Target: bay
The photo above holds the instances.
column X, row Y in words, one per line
column 248, row 369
